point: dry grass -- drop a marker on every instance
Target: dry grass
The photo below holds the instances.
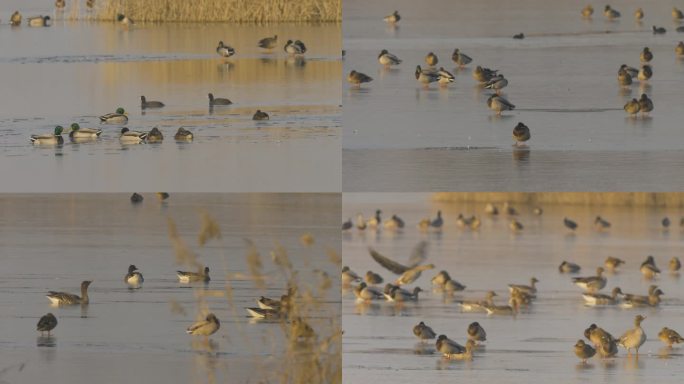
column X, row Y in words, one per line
column 651, row 199
column 236, row 11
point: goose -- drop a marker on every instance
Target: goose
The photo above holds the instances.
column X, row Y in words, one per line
column 591, row 284
column 601, row 299
column 268, row 42
column 189, row 277
column 64, row 298
column 205, row 327
column 635, row 337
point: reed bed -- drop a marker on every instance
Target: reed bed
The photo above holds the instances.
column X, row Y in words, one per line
column 646, row 199
column 236, row 11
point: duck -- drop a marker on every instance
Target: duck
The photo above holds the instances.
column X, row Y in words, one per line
column 568, row 267
column 295, row 48
column 438, row 221
column 128, row 136
column 499, row 104
column 591, row 284
column 134, row 278
column 645, row 73
column 268, row 42
column 394, row 222
column 357, row 78
column 183, row 135
column 638, row 14
column 476, row 333
column 646, row 106
column 445, row 77
column 260, row 115
column 452, row 286
column 677, row 14
column 431, row 59
column 52, row 139
column 635, row 337
column 259, row 313
column 652, row 288
column 150, row 104
column 497, row 83
column 38, row 21
column 392, row 18
column 46, row 324
column 632, row 107
column 189, row 277
column 569, row 224
column 365, row 293
column 521, row 133
column 361, row 222
column 477, row 305
column 515, row 225
column 674, row 265
column 648, row 268
column 218, row 101
column 483, row 75
column 64, row 298
column 646, row 55
column 601, row 299
column 83, row 133
column 136, row 198
column 440, row 278
column 612, row 263
column 584, row 351
column 60, row 4
column 491, row 209
column 453, row 350
column 123, row 19
column 224, row 50
column 155, row 136
column 679, row 49
column 670, row 336
column 633, row 72
column 15, row 19
column 349, row 276
column 624, row 77
column 493, row 309
column 659, row 30
column 375, row 221
column 600, row 223
column 519, row 36
column 118, row 117
column 162, row 196
column 665, row 222
column 605, row 343
column 205, row 327
column 610, row 13
column 387, row 59
column 397, row 294
column 90, row 4
column 267, row 303
column 460, row 58
column 652, row 300
column 347, row 225
column 528, row 289
column 587, row 11
column 426, row 77
column 423, row 332
column 373, row 278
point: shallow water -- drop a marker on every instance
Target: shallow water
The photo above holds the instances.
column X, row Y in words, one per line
column 562, row 79
column 537, row 344
column 54, row 242
column 77, row 71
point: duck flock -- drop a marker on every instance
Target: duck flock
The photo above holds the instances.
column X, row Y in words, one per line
column 494, row 80
column 368, row 288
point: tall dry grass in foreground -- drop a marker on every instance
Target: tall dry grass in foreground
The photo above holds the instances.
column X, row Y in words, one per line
column 237, row 11
column 650, row 199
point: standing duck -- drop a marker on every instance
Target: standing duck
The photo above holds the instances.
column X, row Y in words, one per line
column 15, row 19
column 423, row 332
column 295, row 48
column 632, row 107
column 646, row 55
column 610, row 13
column 60, row 4
column 613, row 263
column 584, row 351
column 605, row 343
column 587, row 11
column 679, row 49
column 497, row 83
column 499, row 104
column 54, row 138
column 568, row 267
column 431, row 59
column 645, row 106
column 600, row 223
column 460, row 58
column 46, row 324
column 569, row 224
column 64, row 298
column 674, row 265
column 638, row 14
column 268, row 42
column 387, row 59
column 635, row 337
column 445, row 77
column 224, row 50
column 645, row 73
column 625, row 77
column 648, row 268
column 134, row 278
column 392, row 18
column 476, row 333
column 521, row 133
column 670, row 336
column 357, row 78
column 426, row 76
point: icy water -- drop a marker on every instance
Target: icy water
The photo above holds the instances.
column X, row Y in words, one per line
column 562, row 79
column 54, row 242
column 77, row 71
column 537, row 344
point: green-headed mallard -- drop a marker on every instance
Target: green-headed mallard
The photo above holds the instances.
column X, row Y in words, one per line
column 128, row 136
column 83, row 133
column 295, row 47
column 260, row 115
column 387, row 59
column 205, row 327
column 431, row 59
column 392, row 18
column 632, row 107
column 55, row 138
column 679, row 49
column 190, row 277
column 591, row 283
column 426, row 76
column 635, row 337
column 460, row 58
column 268, row 42
column 584, row 351
column 133, row 278
column 601, row 299
column 587, row 11
column 497, row 83
column 46, row 324
column 677, row 14
column 15, row 19
column 646, row 55
column 123, row 19
column 499, row 104
column 118, row 117
column 357, row 78
column 155, row 136
column 670, row 336
column 521, row 133
column 218, row 100
column 183, row 135
column 423, row 332
column 64, row 298
column 645, row 105
column 638, row 14
column 150, row 104
column 610, row 13
column 38, row 21
column 224, row 50
column 568, row 267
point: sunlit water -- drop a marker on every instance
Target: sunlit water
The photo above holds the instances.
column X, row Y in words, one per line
column 75, row 71
column 562, row 79
column 55, row 242
column 536, row 345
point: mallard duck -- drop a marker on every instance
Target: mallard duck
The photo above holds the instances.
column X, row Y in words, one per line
column 645, row 73
column 584, row 351
column 649, row 269
column 591, row 283
column 438, row 221
column 128, row 136
column 118, row 117
column 610, row 13
column 357, row 78
column 162, row 196
column 46, row 324
column 519, row 36
column 601, row 299
column 123, row 19
column 477, row 305
column 674, row 265
column 205, row 327
column 183, row 135
column 260, row 313
column 659, row 30
column 497, row 83
column 60, row 4
column 136, row 198
column 633, row 72
column 266, row 303
column 440, row 278
column 638, row 14
column 150, row 104
column 218, row 101
column 679, row 49
column 491, row 209
column 347, row 225
column 677, row 14
column 453, row 350
column 452, row 286
column 373, row 278
column 375, row 221
column 605, row 343
column 409, row 273
column 483, row 75
column 445, row 77
column 84, row 133
column 529, row 289
column 635, row 337
column 624, row 78
column 38, row 21
column 260, row 115
column 515, row 225
column 55, row 138
column 431, row 59
column 393, row 18
column 600, row 223
column 134, row 278
column 15, row 19
column 461, row 59
column 521, row 133
column 190, row 277
column 387, row 59
column 64, row 298
column 632, row 107
column 155, row 136
column 499, row 104
column 361, row 222
column 224, row 50
column 268, row 42
column 646, row 55
column 295, row 48
column 587, row 11
column 568, row 267
column 423, row 332
column 612, row 263
column 349, row 276
column 365, row 293
column 426, row 76
column 569, row 224
column 670, row 336
column 646, row 106
column 394, row 222
column 476, row 333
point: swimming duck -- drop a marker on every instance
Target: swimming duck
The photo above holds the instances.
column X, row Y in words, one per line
column 295, row 48
column 55, row 138
column 365, row 293
column 128, row 136
column 397, row 294
column 612, row 263
column 64, row 298
column 659, row 30
column 649, row 269
column 134, row 278
column 591, row 283
column 679, row 49
column 677, row 14
column 587, row 11
column 610, row 13
column 476, row 333
column 60, row 4
column 493, row 309
column 83, row 133
column 638, row 14
column 670, row 336
column 568, row 267
column 205, row 327
column 445, row 77
column 499, row 104
column 521, row 133
column 632, row 107
column 118, row 117
column 358, row 78
column 393, row 18
column 387, row 59
column 605, row 343
column 645, row 73
column 47, row 323
column 601, row 223
column 529, row 289
column 674, row 265
column 15, row 19
column 646, row 106
column 569, row 224
column 268, row 42
column 150, row 104
column 496, row 83
column 224, row 50
column 218, row 101
column 584, row 351
column 646, row 55
column 260, row 115
column 38, row 21
column 136, row 198
column 349, row 276
column 155, row 136
column 461, row 59
column 189, row 277
column 634, row 338
column 373, row 278
column 477, row 305
column 426, row 76
column 183, row 135
column 423, row 332
column 123, row 19
column 431, row 59
column 601, row 299
column 519, row 36
column 515, row 225
column 652, row 300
